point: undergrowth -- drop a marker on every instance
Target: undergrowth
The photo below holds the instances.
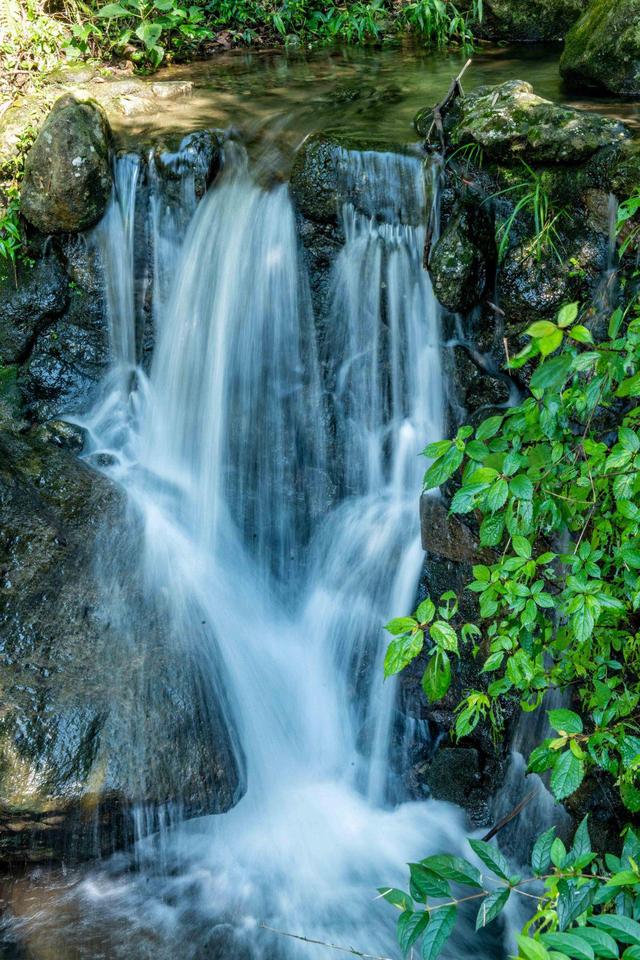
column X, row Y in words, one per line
column 149, row 32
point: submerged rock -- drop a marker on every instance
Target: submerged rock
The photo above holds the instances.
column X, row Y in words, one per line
column 511, row 123
column 98, row 716
column 602, row 50
column 67, row 181
column 528, row 20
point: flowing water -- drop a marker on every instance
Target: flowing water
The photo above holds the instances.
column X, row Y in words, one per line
column 270, row 459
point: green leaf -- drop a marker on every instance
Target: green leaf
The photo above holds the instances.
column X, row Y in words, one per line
column 444, row 635
column 568, row 774
column 425, row 612
column 623, row 929
column 491, row 857
column 624, row 878
column 569, row 944
column 410, row 926
column 491, row 906
column 398, row 898
column 401, row 651
column 541, row 854
column 401, row 625
column 629, row 387
column 491, row 531
column 113, row 10
column 532, row 949
column 542, row 328
column 436, row 679
column 547, row 345
column 425, row 883
column 581, row 334
column 551, row 375
column 581, row 840
column 489, row 427
column 558, row 853
column 456, row 869
column 497, row 494
column 438, row 931
column 149, row 33
column 573, row 901
column 603, row 945
column 565, row 720
column 521, row 487
column 567, row 315
column 443, row 468
column 437, row 449
column 522, row 547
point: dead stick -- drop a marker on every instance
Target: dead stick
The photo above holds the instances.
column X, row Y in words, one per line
column 322, row 943
column 455, row 90
column 510, row 816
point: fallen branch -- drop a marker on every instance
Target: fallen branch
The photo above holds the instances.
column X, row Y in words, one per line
column 322, row 943
column 510, row 816
column 440, row 109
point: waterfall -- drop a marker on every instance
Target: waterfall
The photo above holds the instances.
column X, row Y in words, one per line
column 278, row 505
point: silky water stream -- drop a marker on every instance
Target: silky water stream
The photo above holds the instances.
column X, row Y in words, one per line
column 271, row 460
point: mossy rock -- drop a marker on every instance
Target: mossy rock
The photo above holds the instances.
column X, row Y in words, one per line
column 602, row 50
column 528, row 21
column 460, row 262
column 511, row 123
column 67, row 181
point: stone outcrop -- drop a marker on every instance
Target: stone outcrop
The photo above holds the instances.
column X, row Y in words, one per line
column 511, row 123
column 67, row 179
column 96, row 718
column 528, row 21
column 602, row 50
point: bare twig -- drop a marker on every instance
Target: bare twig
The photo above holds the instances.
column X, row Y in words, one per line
column 455, row 90
column 322, row 943
column 510, row 816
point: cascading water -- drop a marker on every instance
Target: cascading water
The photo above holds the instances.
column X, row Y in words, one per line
column 230, row 452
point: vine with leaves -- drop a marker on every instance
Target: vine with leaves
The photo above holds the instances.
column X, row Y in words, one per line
column 552, row 485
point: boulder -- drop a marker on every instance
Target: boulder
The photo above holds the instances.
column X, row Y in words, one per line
column 511, row 123
column 460, row 261
column 67, row 179
column 445, row 535
column 99, row 716
column 602, row 50
column 528, row 21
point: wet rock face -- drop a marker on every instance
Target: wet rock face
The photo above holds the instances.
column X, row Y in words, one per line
column 315, row 180
column 96, row 718
column 528, row 21
column 602, row 50
column 28, row 303
column 511, row 123
column 460, row 263
column 67, row 181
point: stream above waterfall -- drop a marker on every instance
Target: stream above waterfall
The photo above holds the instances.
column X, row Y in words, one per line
column 266, row 438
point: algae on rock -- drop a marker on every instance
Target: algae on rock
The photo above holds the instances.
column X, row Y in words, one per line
column 602, row 50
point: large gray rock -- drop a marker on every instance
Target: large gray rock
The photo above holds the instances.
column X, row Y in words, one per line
column 511, row 123
column 602, row 50
column 67, row 180
column 99, row 715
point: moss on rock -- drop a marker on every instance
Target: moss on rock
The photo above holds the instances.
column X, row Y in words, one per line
column 528, row 20
column 602, row 50
column 511, row 123
column 67, row 180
